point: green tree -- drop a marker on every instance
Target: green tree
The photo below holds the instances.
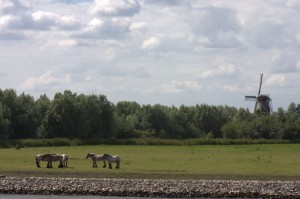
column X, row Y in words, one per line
column 4, row 124
column 100, row 114
column 41, row 107
column 62, row 118
column 160, row 121
column 19, row 111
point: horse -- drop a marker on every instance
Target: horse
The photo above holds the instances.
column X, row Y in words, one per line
column 63, row 159
column 111, row 159
column 95, row 158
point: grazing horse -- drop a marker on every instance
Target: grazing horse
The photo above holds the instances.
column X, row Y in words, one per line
column 63, row 159
column 111, row 159
column 95, row 158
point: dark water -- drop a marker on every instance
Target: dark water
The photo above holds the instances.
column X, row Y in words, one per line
column 16, row 196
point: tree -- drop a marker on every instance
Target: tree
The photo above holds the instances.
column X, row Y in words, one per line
column 210, row 119
column 4, row 124
column 41, row 107
column 100, row 114
column 127, row 108
column 63, row 118
column 159, row 120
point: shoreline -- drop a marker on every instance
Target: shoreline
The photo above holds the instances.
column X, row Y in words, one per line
column 150, row 187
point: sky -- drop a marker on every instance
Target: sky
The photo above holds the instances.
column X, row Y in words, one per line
column 170, row 52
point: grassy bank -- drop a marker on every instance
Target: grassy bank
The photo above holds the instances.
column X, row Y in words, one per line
column 262, row 162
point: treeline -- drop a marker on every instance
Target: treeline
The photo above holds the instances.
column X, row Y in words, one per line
column 69, row 115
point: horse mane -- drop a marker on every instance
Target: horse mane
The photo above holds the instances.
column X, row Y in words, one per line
column 106, row 155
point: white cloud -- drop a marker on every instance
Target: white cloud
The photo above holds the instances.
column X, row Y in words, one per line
column 221, row 70
column 12, row 6
column 109, row 54
column 231, row 88
column 115, row 8
column 277, row 80
column 5, row 20
column 181, row 86
column 63, row 43
column 292, row 3
column 138, row 27
column 104, row 29
column 11, row 35
column 285, row 61
column 209, row 32
column 45, row 80
column 151, row 43
column 95, row 24
column 18, row 16
column 46, row 20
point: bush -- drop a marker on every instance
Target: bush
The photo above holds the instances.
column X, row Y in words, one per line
column 135, row 141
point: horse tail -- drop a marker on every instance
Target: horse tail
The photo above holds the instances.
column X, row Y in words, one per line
column 67, row 159
column 36, row 161
column 118, row 160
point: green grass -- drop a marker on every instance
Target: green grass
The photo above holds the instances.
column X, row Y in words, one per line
column 259, row 162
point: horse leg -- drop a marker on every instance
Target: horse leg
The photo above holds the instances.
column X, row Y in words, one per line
column 37, row 163
column 110, row 165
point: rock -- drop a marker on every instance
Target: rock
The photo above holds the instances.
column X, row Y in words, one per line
column 151, row 188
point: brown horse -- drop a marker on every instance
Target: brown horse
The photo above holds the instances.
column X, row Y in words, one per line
column 95, row 158
column 63, row 160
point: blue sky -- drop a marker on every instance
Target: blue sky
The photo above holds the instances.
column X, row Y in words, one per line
column 153, row 51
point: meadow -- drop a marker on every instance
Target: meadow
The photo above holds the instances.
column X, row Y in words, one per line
column 240, row 162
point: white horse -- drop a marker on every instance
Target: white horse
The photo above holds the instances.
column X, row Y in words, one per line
column 111, row 159
column 95, row 158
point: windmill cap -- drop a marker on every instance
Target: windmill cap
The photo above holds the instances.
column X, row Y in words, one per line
column 263, row 98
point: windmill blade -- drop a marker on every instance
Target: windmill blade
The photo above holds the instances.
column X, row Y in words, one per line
column 261, row 76
column 250, row 98
column 256, row 103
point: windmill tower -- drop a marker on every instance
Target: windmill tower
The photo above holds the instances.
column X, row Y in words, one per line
column 262, row 102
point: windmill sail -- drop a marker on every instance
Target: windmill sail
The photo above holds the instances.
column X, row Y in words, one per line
column 261, row 76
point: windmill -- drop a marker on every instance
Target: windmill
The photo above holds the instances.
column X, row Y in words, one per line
column 263, row 102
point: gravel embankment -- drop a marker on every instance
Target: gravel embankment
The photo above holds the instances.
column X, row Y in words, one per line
column 151, row 188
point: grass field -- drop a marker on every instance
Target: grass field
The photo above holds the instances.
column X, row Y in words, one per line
column 261, row 162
